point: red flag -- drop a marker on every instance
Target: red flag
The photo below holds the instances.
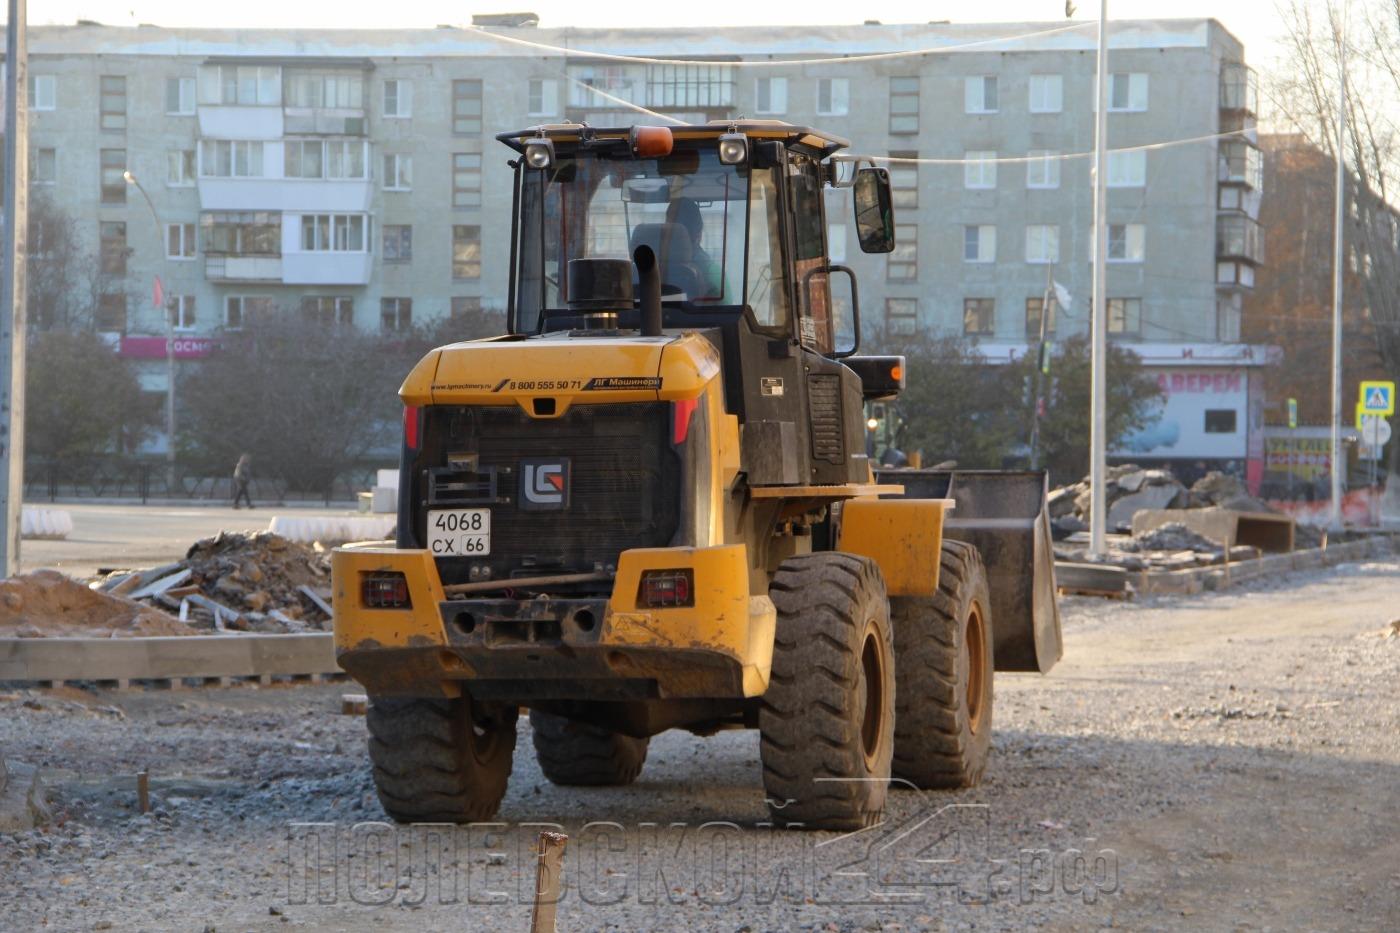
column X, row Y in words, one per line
column 158, row 295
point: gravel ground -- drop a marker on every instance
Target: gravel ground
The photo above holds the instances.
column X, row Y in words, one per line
column 1223, row 761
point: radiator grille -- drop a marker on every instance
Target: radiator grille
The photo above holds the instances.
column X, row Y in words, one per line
column 624, row 482
column 828, row 441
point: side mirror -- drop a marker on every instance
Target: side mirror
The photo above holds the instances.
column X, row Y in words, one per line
column 874, row 210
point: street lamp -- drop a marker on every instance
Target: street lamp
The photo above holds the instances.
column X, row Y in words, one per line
column 131, row 179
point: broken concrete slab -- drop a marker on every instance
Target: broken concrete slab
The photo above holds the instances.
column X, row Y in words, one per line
column 1121, row 512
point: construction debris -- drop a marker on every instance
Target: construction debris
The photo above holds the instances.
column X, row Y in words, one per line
column 47, row 604
column 237, row 582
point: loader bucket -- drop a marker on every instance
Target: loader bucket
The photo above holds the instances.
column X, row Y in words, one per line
column 1003, row 515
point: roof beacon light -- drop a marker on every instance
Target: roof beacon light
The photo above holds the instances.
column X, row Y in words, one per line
column 652, row 142
column 733, row 148
column 539, row 152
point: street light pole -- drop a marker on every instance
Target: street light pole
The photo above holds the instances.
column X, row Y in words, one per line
column 1098, row 382
column 169, row 345
column 12, row 291
column 1339, row 460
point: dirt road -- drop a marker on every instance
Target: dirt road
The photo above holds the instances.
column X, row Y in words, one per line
column 1227, row 761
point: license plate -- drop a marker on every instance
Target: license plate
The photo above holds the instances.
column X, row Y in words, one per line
column 459, row 532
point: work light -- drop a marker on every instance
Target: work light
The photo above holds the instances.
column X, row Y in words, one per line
column 539, row 152
column 733, row 148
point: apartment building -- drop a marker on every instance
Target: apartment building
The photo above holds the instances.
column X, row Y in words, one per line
column 351, row 176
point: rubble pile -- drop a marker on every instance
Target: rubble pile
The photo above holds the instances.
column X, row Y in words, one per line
column 256, row 582
column 1130, row 489
column 1173, row 536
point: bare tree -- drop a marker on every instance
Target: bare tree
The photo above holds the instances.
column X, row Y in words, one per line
column 60, row 273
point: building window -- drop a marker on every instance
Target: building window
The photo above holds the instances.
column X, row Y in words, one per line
column 111, row 312
column 1047, row 93
column 113, row 172
column 398, row 171
column 179, row 168
column 398, row 243
column 466, row 108
column 324, row 158
column 901, row 315
column 240, row 85
column 543, row 97
column 179, row 96
column 329, row 310
column 395, row 314
column 980, row 94
column 1127, row 92
column 1043, row 169
column 770, row 96
column 113, row 103
column 398, row 99
column 1125, row 316
column 335, row 233
column 466, row 251
column 112, row 247
column 1220, row 420
column 904, row 105
column 43, row 92
column 979, row 316
column 181, row 311
column 1127, row 169
column 45, row 167
column 833, row 97
column 1042, row 243
column 903, row 264
column 690, row 85
column 465, row 308
column 980, row 243
column 466, row 179
column 904, row 180
column 242, row 234
column 225, row 158
column 1227, row 320
column 1033, row 308
column 242, row 310
column 601, row 85
column 179, row 241
column 979, row 169
column 329, row 90
column 1126, row 242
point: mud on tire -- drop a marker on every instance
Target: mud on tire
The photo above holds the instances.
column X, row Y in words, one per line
column 579, row 754
column 943, row 716
column 440, row 760
column 826, row 723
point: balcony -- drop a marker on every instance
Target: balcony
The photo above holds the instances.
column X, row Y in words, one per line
column 224, row 268
column 1238, row 237
column 326, row 268
column 1239, row 89
column 1240, row 164
column 320, row 121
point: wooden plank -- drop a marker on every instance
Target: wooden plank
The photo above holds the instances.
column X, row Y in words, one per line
column 836, row 491
column 157, row 587
column 315, row 597
column 167, row 657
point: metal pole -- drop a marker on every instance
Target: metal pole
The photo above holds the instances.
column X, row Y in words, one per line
column 12, row 291
column 1040, row 369
column 1098, row 325
column 1338, row 259
column 169, row 345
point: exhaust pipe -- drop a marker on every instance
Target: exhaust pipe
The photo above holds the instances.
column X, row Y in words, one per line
column 649, row 276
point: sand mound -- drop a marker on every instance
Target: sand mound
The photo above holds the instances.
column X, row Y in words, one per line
column 47, row 604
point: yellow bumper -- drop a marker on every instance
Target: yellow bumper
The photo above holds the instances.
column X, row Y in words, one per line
column 721, row 647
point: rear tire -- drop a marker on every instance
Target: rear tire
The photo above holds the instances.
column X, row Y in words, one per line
column 440, row 760
column 826, row 723
column 575, row 753
column 943, row 720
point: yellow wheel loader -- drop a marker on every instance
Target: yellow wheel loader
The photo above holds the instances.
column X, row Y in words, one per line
column 649, row 505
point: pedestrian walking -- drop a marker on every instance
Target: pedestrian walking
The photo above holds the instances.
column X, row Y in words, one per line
column 242, row 476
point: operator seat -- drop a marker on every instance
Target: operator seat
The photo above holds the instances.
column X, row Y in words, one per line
column 675, row 254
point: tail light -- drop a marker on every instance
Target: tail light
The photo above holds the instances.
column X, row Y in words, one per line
column 386, row 589
column 680, row 413
column 410, row 426
column 667, row 589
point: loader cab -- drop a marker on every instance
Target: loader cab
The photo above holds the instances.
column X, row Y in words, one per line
column 735, row 216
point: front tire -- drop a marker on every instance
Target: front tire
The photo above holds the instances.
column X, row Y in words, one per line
column 575, row 753
column 440, row 760
column 943, row 722
column 826, row 723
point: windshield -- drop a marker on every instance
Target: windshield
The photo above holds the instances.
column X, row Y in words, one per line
column 689, row 208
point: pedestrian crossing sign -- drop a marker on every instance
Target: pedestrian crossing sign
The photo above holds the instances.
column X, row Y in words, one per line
column 1378, row 397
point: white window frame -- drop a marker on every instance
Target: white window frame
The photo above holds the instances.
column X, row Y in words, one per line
column 838, row 104
column 43, row 92
column 1136, row 95
column 983, row 237
column 266, row 85
column 246, row 146
column 324, row 237
column 777, row 95
column 975, row 94
column 1043, row 169
column 1133, row 240
column 182, row 237
column 980, row 169
column 403, row 99
column 186, row 94
column 1051, row 96
column 1127, row 169
column 1042, row 243
column 398, row 171
column 548, row 97
column 177, row 156
column 181, row 309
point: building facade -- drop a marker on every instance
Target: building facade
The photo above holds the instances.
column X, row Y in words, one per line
column 351, row 176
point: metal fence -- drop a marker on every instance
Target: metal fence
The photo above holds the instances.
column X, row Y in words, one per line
column 144, row 479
